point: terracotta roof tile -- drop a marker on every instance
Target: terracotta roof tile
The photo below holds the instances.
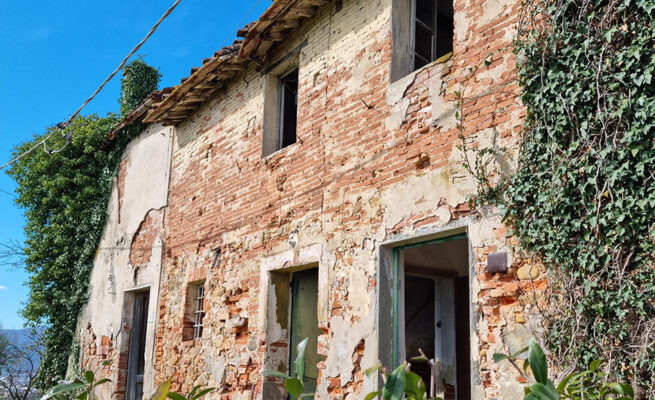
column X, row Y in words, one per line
column 259, row 38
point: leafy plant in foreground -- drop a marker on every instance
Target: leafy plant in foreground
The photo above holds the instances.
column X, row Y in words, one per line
column 83, row 388
column 590, row 384
column 294, row 384
column 194, row 394
column 400, row 384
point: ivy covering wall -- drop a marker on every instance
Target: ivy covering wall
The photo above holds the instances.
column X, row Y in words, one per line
column 583, row 195
column 65, row 194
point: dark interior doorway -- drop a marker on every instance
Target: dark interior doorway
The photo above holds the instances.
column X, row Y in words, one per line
column 435, row 314
column 136, row 352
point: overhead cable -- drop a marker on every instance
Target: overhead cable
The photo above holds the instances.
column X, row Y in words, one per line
column 64, row 124
column 240, row 24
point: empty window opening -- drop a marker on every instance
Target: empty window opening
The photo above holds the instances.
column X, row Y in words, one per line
column 136, row 352
column 422, row 33
column 288, row 106
column 304, row 324
column 434, row 313
column 433, row 30
column 194, row 311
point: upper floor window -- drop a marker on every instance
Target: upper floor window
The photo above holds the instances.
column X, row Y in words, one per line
column 280, row 108
column 422, row 32
column 433, row 31
column 288, row 105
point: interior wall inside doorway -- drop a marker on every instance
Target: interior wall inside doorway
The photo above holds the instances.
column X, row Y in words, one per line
column 436, row 314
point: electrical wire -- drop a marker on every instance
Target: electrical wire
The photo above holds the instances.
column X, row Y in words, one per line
column 64, row 124
column 9, row 193
column 240, row 24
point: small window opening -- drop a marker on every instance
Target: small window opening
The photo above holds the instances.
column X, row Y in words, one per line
column 199, row 311
column 194, row 311
column 288, row 106
column 433, row 31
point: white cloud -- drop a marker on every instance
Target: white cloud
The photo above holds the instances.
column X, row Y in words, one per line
column 3, row 287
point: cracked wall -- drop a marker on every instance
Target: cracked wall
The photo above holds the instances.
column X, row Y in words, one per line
column 128, row 260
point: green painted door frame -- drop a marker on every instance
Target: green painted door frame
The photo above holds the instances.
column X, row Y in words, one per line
column 304, row 323
column 396, row 288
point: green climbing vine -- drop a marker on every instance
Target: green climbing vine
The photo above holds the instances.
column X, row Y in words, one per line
column 583, row 194
column 65, row 192
column 138, row 81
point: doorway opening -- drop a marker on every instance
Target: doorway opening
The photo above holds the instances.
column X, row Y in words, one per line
column 304, row 324
column 432, row 313
column 137, row 346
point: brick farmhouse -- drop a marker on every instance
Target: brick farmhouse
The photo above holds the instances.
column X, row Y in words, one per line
column 308, row 181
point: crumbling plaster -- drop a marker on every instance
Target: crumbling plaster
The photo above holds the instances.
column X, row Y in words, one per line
column 145, row 171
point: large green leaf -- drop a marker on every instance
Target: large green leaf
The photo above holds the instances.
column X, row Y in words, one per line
column 64, row 388
column 88, row 376
column 293, row 386
column 300, row 360
column 101, row 381
column 175, row 396
column 538, row 362
column 202, row 393
column 414, row 386
column 372, row 395
column 162, row 390
column 498, row 357
column 394, row 389
column 544, row 392
column 373, row 369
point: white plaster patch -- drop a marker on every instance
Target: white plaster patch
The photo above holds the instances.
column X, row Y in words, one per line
column 461, row 25
column 443, row 113
column 417, row 194
column 345, row 338
column 508, row 386
column 396, row 98
column 483, row 234
column 146, row 180
column 358, row 294
column 443, row 213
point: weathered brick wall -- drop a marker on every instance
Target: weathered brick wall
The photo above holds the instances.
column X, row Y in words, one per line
column 376, row 162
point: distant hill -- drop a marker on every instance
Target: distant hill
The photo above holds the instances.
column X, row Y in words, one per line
column 22, row 337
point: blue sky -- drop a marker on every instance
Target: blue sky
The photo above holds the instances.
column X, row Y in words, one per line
column 55, row 53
